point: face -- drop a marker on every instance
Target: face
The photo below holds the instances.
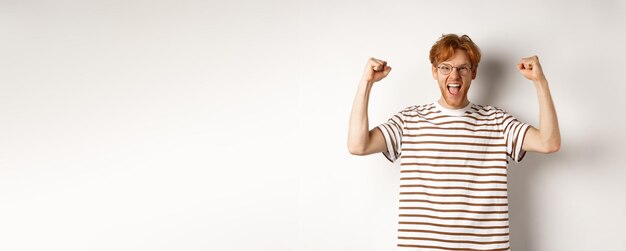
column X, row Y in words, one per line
column 454, row 86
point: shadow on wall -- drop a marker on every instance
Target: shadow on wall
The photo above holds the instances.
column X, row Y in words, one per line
column 521, row 203
column 491, row 74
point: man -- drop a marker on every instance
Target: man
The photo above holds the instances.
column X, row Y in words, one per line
column 454, row 154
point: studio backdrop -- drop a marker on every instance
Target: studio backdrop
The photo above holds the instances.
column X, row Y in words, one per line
column 223, row 125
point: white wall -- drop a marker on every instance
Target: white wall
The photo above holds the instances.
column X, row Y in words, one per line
column 222, row 125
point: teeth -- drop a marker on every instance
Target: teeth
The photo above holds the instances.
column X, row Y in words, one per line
column 454, row 85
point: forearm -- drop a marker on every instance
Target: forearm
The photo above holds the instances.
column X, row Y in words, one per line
column 358, row 134
column 548, row 122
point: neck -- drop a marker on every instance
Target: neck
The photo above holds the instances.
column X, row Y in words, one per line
column 443, row 103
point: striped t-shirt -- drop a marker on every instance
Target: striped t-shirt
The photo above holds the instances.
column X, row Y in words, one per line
column 453, row 178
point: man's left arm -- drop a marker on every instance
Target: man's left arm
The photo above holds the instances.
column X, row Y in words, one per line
column 546, row 139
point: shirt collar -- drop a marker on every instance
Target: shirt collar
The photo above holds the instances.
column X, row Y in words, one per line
column 453, row 112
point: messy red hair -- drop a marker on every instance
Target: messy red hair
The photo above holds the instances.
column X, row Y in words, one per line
column 447, row 44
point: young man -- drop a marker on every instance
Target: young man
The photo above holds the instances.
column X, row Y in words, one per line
column 454, row 154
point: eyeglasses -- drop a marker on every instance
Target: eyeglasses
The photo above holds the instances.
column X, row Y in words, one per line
column 446, row 69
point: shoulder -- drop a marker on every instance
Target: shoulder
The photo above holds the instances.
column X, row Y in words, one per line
column 487, row 112
column 415, row 110
column 487, row 109
column 490, row 108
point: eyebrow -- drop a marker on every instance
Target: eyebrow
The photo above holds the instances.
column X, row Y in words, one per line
column 468, row 65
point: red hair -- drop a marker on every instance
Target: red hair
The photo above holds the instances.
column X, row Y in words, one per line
column 447, row 44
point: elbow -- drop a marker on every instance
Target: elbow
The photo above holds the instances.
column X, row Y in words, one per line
column 553, row 147
column 355, row 150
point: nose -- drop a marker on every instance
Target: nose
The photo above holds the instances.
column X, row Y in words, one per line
column 455, row 73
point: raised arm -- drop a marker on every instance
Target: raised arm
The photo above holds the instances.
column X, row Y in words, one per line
column 546, row 139
column 361, row 140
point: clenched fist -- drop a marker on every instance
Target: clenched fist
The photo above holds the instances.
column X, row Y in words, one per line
column 531, row 69
column 375, row 70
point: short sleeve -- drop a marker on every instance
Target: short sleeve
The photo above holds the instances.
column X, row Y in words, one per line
column 392, row 131
column 514, row 132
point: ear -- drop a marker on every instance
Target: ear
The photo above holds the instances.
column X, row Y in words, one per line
column 434, row 69
column 474, row 74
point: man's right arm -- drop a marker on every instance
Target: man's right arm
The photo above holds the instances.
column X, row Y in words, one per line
column 361, row 140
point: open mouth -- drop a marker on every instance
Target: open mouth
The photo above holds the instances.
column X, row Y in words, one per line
column 454, row 89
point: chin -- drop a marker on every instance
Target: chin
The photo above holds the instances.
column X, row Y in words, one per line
column 456, row 102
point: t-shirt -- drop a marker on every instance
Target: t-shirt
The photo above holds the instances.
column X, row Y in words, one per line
column 453, row 177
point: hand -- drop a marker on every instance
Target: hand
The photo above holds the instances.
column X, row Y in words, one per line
column 375, row 70
column 531, row 69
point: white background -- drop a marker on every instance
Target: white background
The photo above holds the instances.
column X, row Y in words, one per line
column 222, row 125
